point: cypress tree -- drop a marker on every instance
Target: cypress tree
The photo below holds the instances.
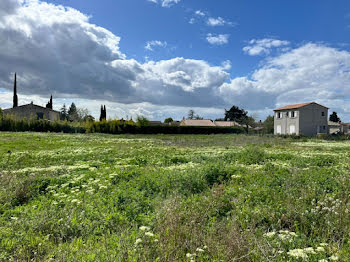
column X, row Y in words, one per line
column 101, row 113
column 49, row 104
column 15, row 97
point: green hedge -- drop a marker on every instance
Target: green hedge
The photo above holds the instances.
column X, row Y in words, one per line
column 8, row 123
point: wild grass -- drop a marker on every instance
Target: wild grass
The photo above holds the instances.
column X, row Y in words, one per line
column 100, row 197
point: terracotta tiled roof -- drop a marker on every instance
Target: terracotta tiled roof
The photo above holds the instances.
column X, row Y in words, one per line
column 226, row 123
column 29, row 105
column 295, row 106
column 189, row 122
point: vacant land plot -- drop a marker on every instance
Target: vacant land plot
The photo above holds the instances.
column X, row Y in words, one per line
column 173, row 198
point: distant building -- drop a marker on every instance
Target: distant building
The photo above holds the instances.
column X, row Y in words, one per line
column 338, row 128
column 307, row 119
column 31, row 110
column 226, row 123
column 346, row 128
column 155, row 123
column 174, row 123
column 195, row 122
column 334, row 127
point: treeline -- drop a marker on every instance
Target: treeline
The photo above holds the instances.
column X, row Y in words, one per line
column 13, row 124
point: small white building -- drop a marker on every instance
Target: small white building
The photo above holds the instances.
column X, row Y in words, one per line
column 307, row 119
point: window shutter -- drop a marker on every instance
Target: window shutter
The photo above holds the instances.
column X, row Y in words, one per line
column 295, row 113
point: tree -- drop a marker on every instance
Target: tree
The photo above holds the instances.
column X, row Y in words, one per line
column 334, row 117
column 190, row 114
column 89, row 118
column 63, row 112
column 142, row 121
column 268, row 125
column 103, row 114
column 72, row 114
column 197, row 117
column 168, row 120
column 240, row 116
column 83, row 113
column 236, row 114
column 49, row 104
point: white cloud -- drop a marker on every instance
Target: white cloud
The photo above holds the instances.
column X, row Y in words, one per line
column 218, row 39
column 308, row 73
column 226, row 65
column 200, row 13
column 57, row 50
column 155, row 43
column 218, row 22
column 192, row 21
column 165, row 3
column 264, row 46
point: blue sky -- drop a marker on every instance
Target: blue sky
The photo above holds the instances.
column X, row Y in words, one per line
column 160, row 58
column 140, row 21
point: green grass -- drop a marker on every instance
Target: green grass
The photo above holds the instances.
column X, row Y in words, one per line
column 173, row 198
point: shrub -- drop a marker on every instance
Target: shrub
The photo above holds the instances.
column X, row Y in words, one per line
column 253, row 155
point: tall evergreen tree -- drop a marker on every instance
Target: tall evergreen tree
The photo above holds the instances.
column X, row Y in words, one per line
column 49, row 104
column 190, row 114
column 15, row 97
column 63, row 112
column 73, row 113
column 101, row 113
column 104, row 112
column 334, row 117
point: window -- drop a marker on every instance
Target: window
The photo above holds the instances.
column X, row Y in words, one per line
column 324, row 127
column 40, row 115
column 278, row 115
column 292, row 129
column 292, row 114
column 279, row 129
column 323, row 114
column 287, row 114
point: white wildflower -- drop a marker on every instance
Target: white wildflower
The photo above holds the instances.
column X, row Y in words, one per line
column 149, row 234
column 298, row 253
column 334, row 258
column 309, row 250
column 269, row 234
column 138, row 241
column 320, row 249
column 144, row 228
column 199, row 250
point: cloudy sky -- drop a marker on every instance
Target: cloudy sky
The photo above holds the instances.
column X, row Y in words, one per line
column 160, row 58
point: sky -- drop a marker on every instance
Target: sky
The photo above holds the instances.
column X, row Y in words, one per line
column 161, row 58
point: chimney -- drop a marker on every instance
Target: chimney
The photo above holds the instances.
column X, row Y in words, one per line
column 15, row 97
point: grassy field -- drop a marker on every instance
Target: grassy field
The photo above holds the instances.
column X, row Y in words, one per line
column 173, row 198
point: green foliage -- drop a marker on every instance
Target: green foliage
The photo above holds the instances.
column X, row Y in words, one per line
column 142, row 121
column 236, row 114
column 268, row 125
column 96, row 197
column 334, row 117
column 63, row 113
column 168, row 120
column 253, row 155
column 72, row 113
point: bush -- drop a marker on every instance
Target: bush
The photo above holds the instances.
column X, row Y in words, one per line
column 13, row 124
column 253, row 155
